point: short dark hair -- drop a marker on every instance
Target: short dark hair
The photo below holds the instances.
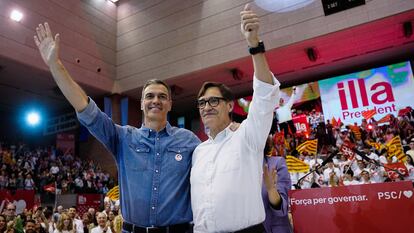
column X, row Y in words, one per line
column 224, row 90
column 30, row 221
column 159, row 82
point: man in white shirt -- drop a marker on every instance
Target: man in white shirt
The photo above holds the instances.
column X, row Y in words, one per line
column 410, row 152
column 327, row 172
column 284, row 114
column 102, row 224
column 77, row 223
column 226, row 176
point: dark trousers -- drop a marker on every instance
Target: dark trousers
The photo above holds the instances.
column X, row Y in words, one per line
column 259, row 228
column 285, row 126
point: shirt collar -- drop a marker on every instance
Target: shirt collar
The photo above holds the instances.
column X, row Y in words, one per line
column 168, row 129
column 222, row 135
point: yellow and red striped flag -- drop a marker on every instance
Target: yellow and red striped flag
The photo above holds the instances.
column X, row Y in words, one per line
column 378, row 146
column 310, row 146
column 385, row 119
column 394, row 148
column 369, row 114
column 296, row 165
column 113, row 194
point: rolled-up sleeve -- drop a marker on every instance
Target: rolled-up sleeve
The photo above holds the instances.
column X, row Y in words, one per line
column 88, row 115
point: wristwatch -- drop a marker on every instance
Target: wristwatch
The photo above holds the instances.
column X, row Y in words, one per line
column 259, row 49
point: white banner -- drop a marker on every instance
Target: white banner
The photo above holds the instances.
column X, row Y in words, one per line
column 386, row 89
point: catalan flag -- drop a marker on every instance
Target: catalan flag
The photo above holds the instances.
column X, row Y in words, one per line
column 113, row 194
column 378, row 146
column 369, row 114
column 310, row 146
column 394, row 148
column 385, row 119
column 296, row 165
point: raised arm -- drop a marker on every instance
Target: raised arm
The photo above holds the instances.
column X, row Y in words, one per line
column 250, row 30
column 49, row 50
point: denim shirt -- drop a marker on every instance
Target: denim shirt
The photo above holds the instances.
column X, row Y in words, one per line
column 153, row 168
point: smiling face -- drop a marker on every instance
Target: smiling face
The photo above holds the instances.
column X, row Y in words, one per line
column 101, row 219
column 215, row 118
column 155, row 103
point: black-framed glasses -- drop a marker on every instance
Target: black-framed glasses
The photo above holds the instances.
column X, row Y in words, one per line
column 212, row 101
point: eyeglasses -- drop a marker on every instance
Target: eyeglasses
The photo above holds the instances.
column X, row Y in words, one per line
column 212, row 101
column 11, row 209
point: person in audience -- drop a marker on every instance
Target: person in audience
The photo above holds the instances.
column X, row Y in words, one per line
column 276, row 184
column 65, row 224
column 366, row 178
column 3, row 223
column 77, row 223
column 30, row 227
column 15, row 221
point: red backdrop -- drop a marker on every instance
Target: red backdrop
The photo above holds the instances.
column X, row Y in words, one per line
column 383, row 207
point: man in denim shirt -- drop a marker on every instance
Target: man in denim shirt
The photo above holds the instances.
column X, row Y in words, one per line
column 153, row 161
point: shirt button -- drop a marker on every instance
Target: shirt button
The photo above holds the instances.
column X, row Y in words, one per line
column 155, row 188
column 158, row 138
column 158, row 153
column 156, row 171
column 153, row 207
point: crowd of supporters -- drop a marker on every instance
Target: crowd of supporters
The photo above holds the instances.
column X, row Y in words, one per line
column 374, row 152
column 34, row 169
column 60, row 220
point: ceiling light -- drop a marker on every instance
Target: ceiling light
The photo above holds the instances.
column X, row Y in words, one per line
column 114, row 1
column 16, row 15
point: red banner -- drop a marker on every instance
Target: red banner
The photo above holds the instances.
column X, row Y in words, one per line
column 301, row 124
column 346, row 150
column 23, row 199
column 393, row 168
column 382, row 207
column 86, row 201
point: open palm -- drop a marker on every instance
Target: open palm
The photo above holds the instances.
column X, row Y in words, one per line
column 48, row 47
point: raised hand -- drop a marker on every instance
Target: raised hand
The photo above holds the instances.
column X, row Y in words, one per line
column 48, row 47
column 269, row 178
column 250, row 26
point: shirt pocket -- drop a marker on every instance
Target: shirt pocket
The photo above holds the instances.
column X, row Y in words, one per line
column 137, row 160
column 178, row 160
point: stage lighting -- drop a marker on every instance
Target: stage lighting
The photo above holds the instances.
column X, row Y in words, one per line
column 33, row 118
column 16, row 15
column 369, row 127
column 282, row 5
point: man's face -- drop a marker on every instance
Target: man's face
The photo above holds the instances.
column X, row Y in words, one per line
column 156, row 102
column 412, row 145
column 11, row 210
column 215, row 117
column 365, row 175
column 30, row 227
column 72, row 212
column 101, row 218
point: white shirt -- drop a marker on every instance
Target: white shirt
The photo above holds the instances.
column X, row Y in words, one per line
column 99, row 229
column 79, row 225
column 327, row 173
column 284, row 113
column 226, row 174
